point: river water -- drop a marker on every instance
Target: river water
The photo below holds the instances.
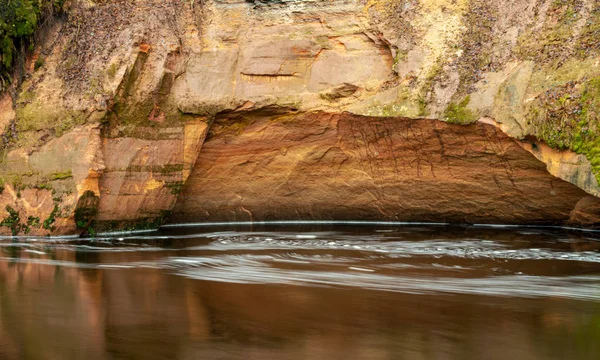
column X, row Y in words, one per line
column 309, row 291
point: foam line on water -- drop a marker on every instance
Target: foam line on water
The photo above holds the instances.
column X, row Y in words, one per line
column 128, row 232
column 70, row 237
column 302, row 222
column 369, row 223
column 243, row 270
column 288, row 222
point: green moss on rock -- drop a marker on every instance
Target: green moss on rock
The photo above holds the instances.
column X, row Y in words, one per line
column 37, row 116
column 459, row 113
column 19, row 20
column 61, row 175
column 568, row 117
column 12, row 221
column 48, row 223
column 34, row 221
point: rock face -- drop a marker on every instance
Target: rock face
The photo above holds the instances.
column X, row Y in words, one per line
column 324, row 166
column 136, row 179
column 301, row 54
column 109, row 123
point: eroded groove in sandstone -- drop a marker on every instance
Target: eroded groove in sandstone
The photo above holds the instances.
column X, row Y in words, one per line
column 319, row 166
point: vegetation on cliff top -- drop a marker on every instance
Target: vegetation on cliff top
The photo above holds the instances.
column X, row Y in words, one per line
column 18, row 21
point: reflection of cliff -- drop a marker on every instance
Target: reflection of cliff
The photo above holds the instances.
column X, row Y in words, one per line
column 71, row 313
column 45, row 310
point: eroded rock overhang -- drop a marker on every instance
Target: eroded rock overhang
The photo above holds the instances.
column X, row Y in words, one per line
column 265, row 165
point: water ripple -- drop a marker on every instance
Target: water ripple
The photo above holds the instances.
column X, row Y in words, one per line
column 425, row 259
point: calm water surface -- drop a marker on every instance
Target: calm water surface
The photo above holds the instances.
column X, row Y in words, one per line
column 303, row 292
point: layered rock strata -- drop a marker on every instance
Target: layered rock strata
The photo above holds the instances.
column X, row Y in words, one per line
column 325, row 166
column 119, row 96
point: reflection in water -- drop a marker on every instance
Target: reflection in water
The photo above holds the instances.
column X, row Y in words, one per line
column 303, row 293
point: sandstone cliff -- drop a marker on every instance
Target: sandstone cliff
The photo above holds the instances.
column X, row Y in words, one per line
column 226, row 109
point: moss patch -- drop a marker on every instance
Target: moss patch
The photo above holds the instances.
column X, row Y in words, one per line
column 39, row 62
column 48, row 223
column 459, row 114
column 12, row 221
column 568, row 117
column 547, row 77
column 19, row 20
column 34, row 221
column 61, row 175
column 112, row 71
column 37, row 116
